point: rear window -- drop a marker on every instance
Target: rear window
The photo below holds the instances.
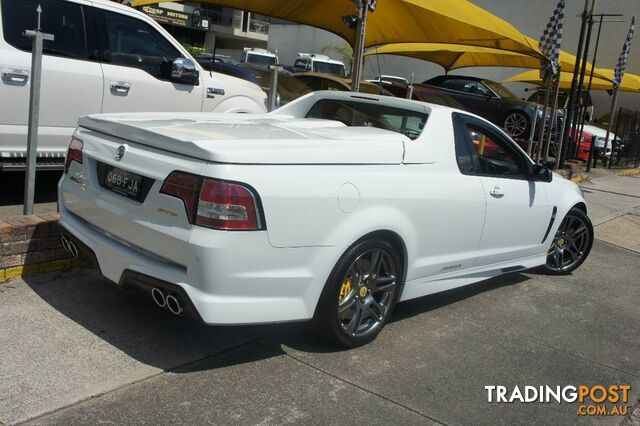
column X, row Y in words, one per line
column 329, row 68
column 62, row 19
column 363, row 114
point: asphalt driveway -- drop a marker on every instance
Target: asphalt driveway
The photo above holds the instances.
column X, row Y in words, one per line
column 76, row 350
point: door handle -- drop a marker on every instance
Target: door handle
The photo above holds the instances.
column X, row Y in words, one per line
column 15, row 76
column 497, row 192
column 120, row 87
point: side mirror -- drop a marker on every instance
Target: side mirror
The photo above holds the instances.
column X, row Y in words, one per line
column 541, row 174
column 184, row 71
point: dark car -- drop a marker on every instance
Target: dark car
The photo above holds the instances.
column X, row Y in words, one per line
column 422, row 93
column 289, row 88
column 490, row 100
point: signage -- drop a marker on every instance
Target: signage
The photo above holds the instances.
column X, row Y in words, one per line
column 167, row 16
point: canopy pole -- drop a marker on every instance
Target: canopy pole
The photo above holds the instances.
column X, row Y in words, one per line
column 545, row 107
column 581, row 101
column 593, row 68
column 614, row 104
column 554, row 117
column 574, row 83
column 358, row 52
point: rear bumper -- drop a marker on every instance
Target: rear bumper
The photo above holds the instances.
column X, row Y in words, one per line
column 136, row 280
column 236, row 278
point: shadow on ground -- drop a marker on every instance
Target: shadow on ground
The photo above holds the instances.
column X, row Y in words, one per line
column 130, row 322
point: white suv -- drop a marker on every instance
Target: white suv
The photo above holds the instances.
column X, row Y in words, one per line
column 105, row 58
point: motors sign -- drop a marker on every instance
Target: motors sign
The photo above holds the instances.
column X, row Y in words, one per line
column 167, row 16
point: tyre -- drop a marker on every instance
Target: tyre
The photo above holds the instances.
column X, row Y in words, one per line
column 571, row 244
column 517, row 124
column 360, row 295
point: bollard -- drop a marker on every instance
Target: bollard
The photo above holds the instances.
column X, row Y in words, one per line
column 37, row 42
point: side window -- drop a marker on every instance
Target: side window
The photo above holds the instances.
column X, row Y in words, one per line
column 133, row 43
column 476, row 88
column 300, row 63
column 481, row 150
column 62, row 19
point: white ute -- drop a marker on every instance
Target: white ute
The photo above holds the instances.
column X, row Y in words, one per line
column 333, row 207
column 105, row 58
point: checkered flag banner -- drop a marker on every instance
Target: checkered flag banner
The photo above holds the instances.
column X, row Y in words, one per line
column 551, row 39
column 624, row 56
column 371, row 4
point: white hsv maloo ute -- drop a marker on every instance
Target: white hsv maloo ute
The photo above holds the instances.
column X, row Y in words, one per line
column 332, row 208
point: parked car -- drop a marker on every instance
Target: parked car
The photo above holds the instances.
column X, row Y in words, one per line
column 490, row 100
column 105, row 58
column 422, row 93
column 583, row 144
column 389, row 79
column 320, row 81
column 256, row 56
column 563, row 102
column 314, row 62
column 598, row 134
column 289, row 88
column 333, row 208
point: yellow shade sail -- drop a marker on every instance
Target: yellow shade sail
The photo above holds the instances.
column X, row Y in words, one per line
column 454, row 56
column 396, row 21
column 533, row 77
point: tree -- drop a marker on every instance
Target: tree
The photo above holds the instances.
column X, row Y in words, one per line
column 343, row 51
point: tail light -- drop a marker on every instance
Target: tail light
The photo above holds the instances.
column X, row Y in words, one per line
column 215, row 203
column 74, row 153
column 186, row 187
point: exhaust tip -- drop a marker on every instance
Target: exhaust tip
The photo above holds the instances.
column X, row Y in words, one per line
column 69, row 246
column 174, row 305
column 158, row 297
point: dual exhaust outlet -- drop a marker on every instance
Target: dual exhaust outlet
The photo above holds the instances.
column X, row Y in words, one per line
column 70, row 247
column 168, row 301
column 165, row 301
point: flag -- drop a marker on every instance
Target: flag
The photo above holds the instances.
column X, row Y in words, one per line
column 624, row 56
column 551, row 39
column 371, row 4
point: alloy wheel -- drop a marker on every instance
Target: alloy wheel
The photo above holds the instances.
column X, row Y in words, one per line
column 367, row 292
column 516, row 124
column 571, row 244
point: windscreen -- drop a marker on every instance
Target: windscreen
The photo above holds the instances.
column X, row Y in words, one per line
column 261, row 59
column 365, row 114
column 501, row 91
column 329, row 68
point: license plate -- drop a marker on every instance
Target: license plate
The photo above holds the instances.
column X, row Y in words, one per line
column 123, row 182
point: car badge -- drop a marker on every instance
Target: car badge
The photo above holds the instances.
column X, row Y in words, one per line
column 120, row 152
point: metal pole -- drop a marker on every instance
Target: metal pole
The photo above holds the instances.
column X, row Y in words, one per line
column 583, row 70
column 358, row 52
column 559, row 143
column 37, row 41
column 614, row 139
column 593, row 68
column 545, row 106
column 532, row 131
column 574, row 83
column 554, row 116
column 273, row 87
column 614, row 104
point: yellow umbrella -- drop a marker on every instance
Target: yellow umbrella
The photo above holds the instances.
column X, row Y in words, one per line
column 454, row 56
column 533, row 77
column 395, row 21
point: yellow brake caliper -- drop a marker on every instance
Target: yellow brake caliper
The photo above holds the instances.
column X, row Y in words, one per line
column 346, row 288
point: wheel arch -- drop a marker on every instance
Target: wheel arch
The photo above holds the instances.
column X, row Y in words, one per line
column 581, row 206
column 396, row 241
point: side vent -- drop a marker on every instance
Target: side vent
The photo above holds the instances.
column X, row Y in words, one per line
column 553, row 219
